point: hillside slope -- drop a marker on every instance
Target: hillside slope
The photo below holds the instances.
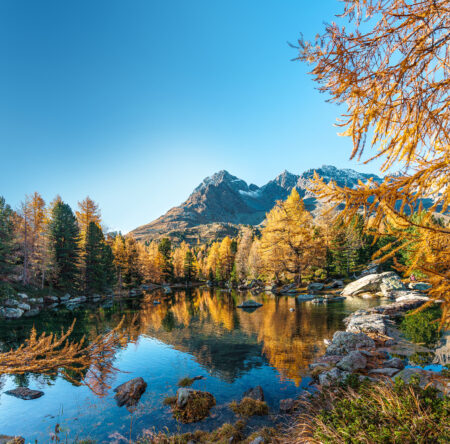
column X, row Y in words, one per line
column 223, row 202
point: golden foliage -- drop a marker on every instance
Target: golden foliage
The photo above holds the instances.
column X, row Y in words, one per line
column 48, row 354
column 289, row 242
column 393, row 77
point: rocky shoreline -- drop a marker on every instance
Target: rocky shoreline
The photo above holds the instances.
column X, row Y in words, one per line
column 366, row 346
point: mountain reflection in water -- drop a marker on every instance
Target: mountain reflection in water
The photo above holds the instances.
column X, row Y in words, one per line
column 189, row 331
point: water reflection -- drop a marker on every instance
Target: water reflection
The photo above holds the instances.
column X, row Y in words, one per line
column 206, row 324
column 189, row 333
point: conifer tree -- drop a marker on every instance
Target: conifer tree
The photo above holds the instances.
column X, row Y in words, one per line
column 290, row 244
column 242, row 254
column 64, row 245
column 109, row 274
column 226, row 257
column 132, row 276
column 98, row 260
column 390, row 68
column 189, row 266
column 7, row 247
column 165, row 248
column 88, row 212
column 120, row 259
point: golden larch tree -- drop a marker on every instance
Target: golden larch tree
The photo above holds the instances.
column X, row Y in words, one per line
column 290, row 243
column 392, row 76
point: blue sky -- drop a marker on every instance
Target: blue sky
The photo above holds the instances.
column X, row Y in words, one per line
column 134, row 102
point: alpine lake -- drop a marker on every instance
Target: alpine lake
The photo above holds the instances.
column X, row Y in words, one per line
column 193, row 332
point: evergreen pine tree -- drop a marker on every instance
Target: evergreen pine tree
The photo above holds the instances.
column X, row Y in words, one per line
column 94, row 273
column 64, row 245
column 189, row 266
column 132, row 276
column 165, row 248
column 109, row 273
column 6, row 239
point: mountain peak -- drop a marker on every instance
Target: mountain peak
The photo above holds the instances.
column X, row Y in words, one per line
column 222, row 176
column 286, row 179
column 225, row 199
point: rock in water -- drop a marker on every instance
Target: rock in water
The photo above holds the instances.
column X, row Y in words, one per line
column 192, row 405
column 315, row 286
column 250, row 304
column 25, row 393
column 255, row 393
column 129, row 393
column 370, row 283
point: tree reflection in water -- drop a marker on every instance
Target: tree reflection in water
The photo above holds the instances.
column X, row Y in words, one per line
column 202, row 322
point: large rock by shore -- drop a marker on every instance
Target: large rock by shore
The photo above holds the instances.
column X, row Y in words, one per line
column 345, row 342
column 373, row 283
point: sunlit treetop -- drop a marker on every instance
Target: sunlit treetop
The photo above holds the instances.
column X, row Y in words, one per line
column 390, row 71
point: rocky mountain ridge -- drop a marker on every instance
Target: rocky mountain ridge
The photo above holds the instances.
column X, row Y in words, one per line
column 223, row 202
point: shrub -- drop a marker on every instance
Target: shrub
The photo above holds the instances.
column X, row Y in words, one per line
column 422, row 327
column 249, row 407
column 6, row 290
column 382, row 413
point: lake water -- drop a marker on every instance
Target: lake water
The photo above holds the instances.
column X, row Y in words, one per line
column 192, row 333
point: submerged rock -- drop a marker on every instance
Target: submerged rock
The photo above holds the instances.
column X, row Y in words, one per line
column 305, row 297
column 129, row 393
column 25, row 393
column 315, row 286
column 255, row 393
column 250, row 303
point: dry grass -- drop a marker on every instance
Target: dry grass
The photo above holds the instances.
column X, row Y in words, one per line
column 222, row 435
column 249, row 407
column 197, row 407
column 382, row 413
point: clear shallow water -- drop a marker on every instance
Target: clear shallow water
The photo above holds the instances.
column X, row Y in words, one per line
column 200, row 332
